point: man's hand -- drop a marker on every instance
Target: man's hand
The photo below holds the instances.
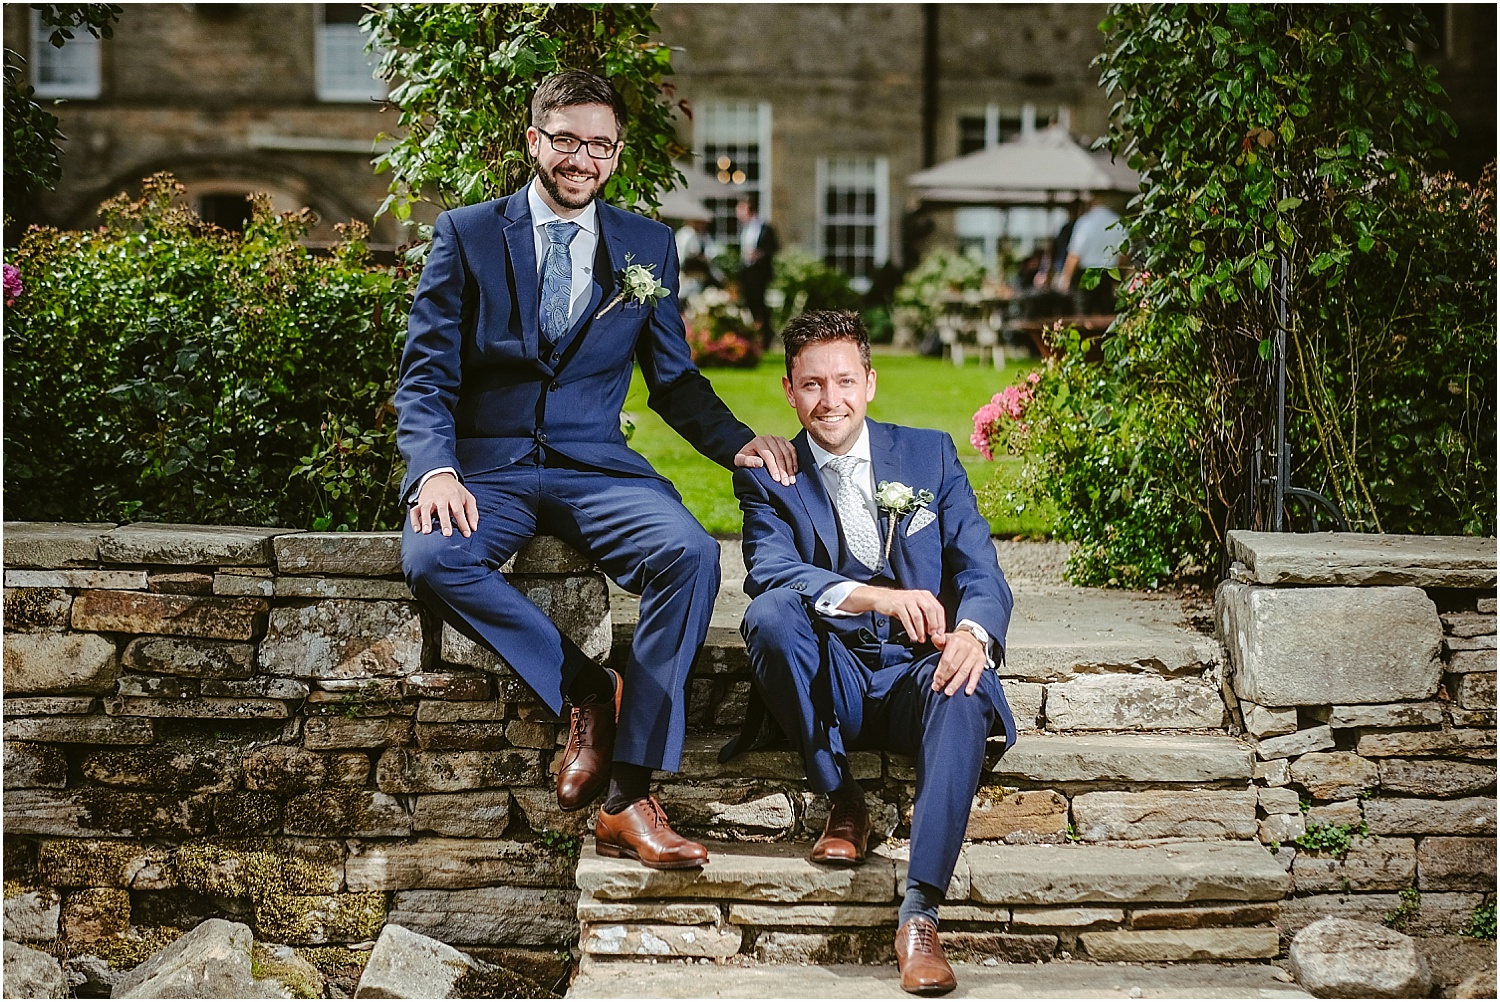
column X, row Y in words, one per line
column 962, row 665
column 919, row 610
column 775, row 453
column 450, row 501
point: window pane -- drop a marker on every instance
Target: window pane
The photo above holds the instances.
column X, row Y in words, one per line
column 71, row 71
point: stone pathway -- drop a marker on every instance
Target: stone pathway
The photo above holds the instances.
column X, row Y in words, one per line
column 1058, row 979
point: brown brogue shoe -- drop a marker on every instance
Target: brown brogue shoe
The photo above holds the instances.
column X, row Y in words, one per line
column 919, row 957
column 641, row 832
column 846, row 834
column 590, row 751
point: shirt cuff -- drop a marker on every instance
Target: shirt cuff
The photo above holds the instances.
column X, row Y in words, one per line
column 411, row 495
column 828, row 603
column 982, row 636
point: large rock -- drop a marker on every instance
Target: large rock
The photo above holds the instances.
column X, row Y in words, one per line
column 188, row 545
column 1356, row 558
column 32, row 974
column 59, row 662
column 407, row 965
column 1312, row 646
column 173, row 615
column 1335, row 775
column 210, row 962
column 1424, row 777
column 1371, row 864
column 355, row 554
column 1212, row 814
column 519, row 916
column 454, row 864
column 1125, row 758
column 343, row 639
column 49, row 545
column 1132, row 703
column 1340, row 958
column 33, row 916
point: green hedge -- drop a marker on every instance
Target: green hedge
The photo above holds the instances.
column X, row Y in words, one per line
column 162, row 368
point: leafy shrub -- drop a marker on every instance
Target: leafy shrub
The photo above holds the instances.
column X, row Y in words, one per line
column 1481, row 924
column 807, row 283
column 720, row 333
column 939, row 273
column 161, row 368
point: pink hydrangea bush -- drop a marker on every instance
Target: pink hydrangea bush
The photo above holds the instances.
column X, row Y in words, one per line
column 996, row 421
column 12, row 284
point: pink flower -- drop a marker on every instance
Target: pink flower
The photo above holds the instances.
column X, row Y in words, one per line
column 12, row 283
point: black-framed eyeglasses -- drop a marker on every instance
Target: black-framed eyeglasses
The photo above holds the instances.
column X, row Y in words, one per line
column 599, row 149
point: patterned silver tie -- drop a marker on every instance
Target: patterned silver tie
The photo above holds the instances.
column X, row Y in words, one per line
column 860, row 534
column 557, row 280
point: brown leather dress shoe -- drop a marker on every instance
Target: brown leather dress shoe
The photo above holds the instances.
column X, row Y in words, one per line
column 846, row 834
column 590, row 751
column 641, row 832
column 919, row 957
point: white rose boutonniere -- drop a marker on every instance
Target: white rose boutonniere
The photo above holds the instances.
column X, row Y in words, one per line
column 637, row 284
column 898, row 500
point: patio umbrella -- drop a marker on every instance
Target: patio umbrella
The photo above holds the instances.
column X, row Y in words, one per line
column 1046, row 167
column 681, row 204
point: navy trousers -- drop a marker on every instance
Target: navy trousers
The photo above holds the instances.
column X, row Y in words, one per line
column 637, row 530
column 829, row 702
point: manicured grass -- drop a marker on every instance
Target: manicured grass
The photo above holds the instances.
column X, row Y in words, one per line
column 923, row 392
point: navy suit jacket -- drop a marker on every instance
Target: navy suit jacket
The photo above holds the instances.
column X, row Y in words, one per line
column 476, row 393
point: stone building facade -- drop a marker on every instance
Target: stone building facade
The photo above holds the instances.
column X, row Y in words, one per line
column 821, row 111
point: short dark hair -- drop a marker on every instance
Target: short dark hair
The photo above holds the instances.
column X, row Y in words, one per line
column 574, row 87
column 818, row 326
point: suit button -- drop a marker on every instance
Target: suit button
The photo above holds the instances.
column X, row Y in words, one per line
column 555, row 385
column 541, row 436
column 879, row 622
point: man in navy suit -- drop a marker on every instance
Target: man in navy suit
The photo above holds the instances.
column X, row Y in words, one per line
column 866, row 635
column 518, row 358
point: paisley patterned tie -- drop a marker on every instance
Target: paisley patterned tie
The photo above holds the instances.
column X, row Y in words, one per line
column 860, row 534
column 557, row 280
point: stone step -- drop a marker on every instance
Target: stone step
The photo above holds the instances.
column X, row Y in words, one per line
column 1061, row 979
column 767, row 902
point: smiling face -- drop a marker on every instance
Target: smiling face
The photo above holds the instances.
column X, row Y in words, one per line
column 570, row 181
column 830, row 389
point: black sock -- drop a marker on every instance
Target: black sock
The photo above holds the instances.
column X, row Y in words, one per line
column 627, row 784
column 849, row 791
column 593, row 683
column 921, row 899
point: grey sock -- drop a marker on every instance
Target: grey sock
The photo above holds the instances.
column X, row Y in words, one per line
column 921, row 899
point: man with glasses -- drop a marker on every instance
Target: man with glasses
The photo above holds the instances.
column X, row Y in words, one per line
column 518, row 358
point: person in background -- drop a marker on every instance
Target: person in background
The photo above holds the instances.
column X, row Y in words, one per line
column 1095, row 243
column 758, row 247
column 695, row 256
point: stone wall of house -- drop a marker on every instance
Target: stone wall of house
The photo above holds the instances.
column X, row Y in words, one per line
column 1364, row 670
column 262, row 725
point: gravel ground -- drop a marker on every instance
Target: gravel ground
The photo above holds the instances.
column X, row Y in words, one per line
column 1031, row 562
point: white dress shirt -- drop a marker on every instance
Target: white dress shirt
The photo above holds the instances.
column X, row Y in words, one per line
column 581, row 250
column 749, row 237
column 828, row 603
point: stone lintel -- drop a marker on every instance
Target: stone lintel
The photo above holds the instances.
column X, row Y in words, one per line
column 1353, row 558
column 51, row 545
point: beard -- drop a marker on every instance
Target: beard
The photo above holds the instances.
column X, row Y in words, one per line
column 553, row 188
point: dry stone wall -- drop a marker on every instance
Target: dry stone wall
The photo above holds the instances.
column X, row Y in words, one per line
column 1364, row 669
column 263, row 726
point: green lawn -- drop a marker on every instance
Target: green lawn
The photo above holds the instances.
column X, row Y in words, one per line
column 924, row 392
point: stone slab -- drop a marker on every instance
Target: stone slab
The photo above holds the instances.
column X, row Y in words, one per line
column 114, row 580
column 1205, row 916
column 1155, row 945
column 1474, row 691
column 1437, row 912
column 1465, row 743
column 32, row 974
column 700, row 761
column 1434, row 777
column 80, row 730
column 189, row 545
column 343, row 639
column 50, row 706
column 33, row 916
column 1025, row 699
column 34, row 766
column 818, row 916
column 440, row 685
column 1210, row 814
column 59, row 662
column 1126, row 758
column 229, row 583
column 1467, row 661
column 1058, row 979
column 1119, row 702
column 671, row 912
column 1335, row 775
column 347, row 812
column 190, row 656
column 740, row 872
column 365, row 589
column 357, row 554
column 998, row 811
column 738, row 809
column 517, row 916
column 1388, row 715
column 50, row 545
column 91, row 812
column 1268, row 721
column 1353, row 558
column 181, row 582
column 546, row 555
column 477, row 814
column 323, row 733
column 454, row 864
column 577, row 604
column 320, row 919
column 112, row 862
column 1181, row 872
column 1446, row 863
column 262, row 686
column 1316, row 646
column 1065, row 918
column 1371, row 864
column 202, row 708
column 173, row 615
column 619, row 940
column 1304, row 742
column 405, row 770
column 406, row 965
column 1466, row 816
column 27, row 610
column 1468, row 624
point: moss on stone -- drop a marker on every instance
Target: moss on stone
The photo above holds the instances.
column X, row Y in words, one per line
column 498, row 983
column 134, row 948
column 160, row 815
column 296, row 977
column 335, row 811
column 95, row 913
column 19, row 858
column 98, row 862
column 321, row 918
column 333, row 959
column 31, row 608
column 176, row 767
column 247, row 812
column 250, row 868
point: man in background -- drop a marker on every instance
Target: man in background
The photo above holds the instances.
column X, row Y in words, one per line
column 758, row 247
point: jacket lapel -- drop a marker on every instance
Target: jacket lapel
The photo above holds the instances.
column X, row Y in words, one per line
column 521, row 244
column 815, row 499
column 886, row 464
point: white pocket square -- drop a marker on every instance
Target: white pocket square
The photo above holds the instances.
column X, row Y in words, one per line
column 920, row 520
